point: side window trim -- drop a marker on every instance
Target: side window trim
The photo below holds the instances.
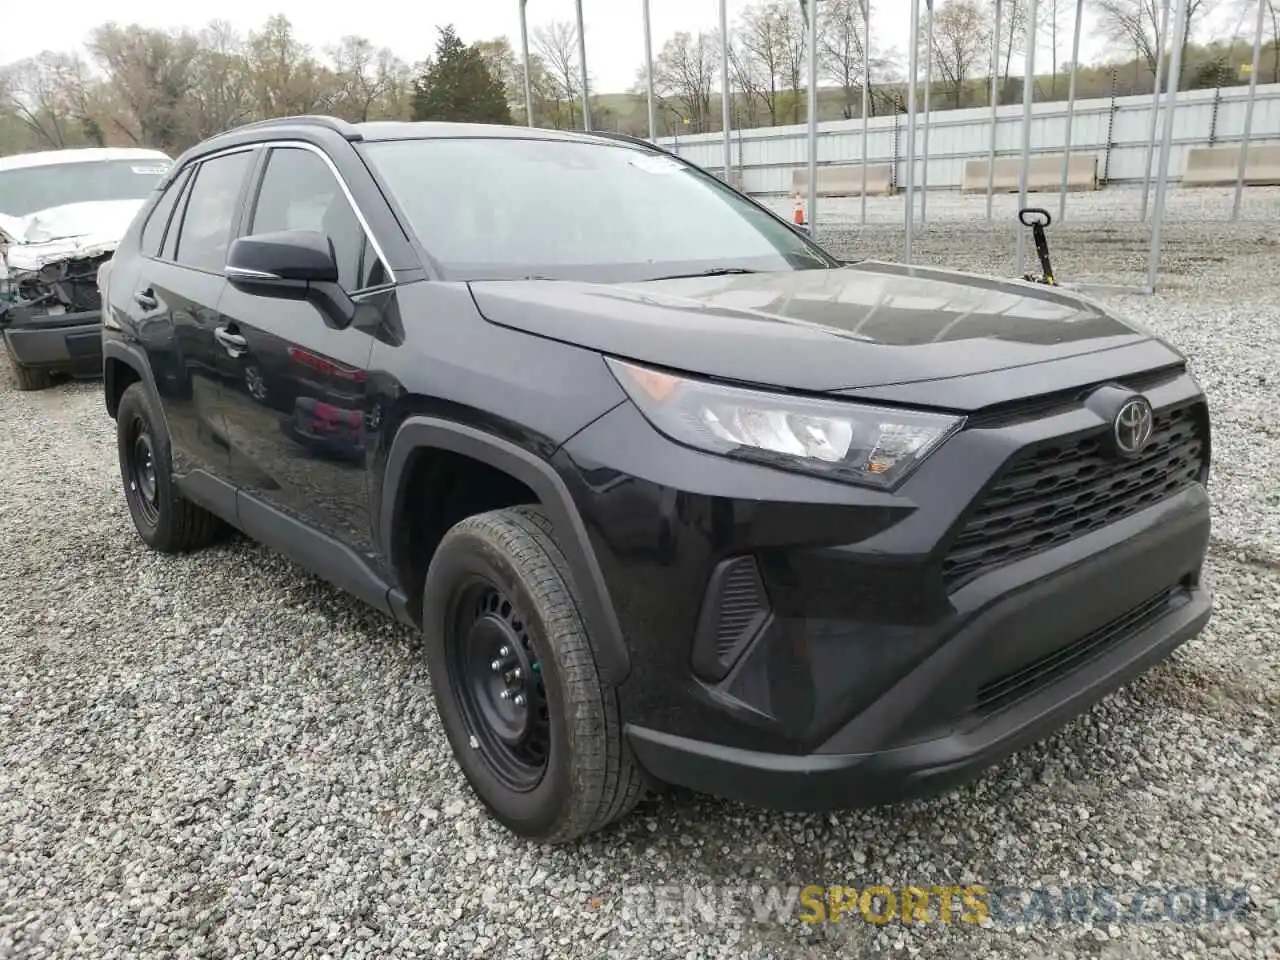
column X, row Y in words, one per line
column 169, row 250
column 236, row 215
column 259, row 175
column 179, row 184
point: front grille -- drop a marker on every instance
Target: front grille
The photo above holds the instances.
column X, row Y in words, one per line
column 1058, row 491
column 1002, row 691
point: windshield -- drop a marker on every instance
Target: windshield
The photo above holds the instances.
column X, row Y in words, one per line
column 28, row 189
column 512, row 208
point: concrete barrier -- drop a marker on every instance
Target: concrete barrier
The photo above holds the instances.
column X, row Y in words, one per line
column 845, row 181
column 1219, row 166
column 1043, row 176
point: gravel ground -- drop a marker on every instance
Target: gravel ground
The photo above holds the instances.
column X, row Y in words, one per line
column 218, row 755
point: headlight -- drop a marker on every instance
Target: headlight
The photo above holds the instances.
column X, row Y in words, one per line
column 875, row 446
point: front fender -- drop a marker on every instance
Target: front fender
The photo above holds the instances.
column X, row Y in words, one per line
column 419, row 432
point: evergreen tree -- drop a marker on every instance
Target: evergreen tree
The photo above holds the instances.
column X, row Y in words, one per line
column 458, row 85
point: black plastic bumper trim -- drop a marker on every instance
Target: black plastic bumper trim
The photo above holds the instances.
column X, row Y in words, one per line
column 814, row 782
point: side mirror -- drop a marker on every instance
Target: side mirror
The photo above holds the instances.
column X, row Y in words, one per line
column 287, row 258
column 292, row 264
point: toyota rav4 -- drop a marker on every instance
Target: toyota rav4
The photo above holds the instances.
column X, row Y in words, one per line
column 673, row 495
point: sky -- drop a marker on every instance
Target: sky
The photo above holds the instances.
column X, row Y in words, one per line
column 613, row 28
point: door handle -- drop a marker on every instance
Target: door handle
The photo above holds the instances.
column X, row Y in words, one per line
column 235, row 344
column 146, row 299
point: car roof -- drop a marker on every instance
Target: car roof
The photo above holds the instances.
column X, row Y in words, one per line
column 47, row 158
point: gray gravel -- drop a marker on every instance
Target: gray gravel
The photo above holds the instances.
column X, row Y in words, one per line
column 220, row 756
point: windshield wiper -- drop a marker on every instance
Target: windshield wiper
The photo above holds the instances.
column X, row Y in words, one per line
column 712, row 272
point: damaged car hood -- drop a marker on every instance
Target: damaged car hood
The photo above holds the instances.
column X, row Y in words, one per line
column 73, row 231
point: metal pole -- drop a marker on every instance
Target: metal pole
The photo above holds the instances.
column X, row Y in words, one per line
column 866, row 99
column 648, row 70
column 1071, row 110
column 524, row 49
column 928, row 119
column 582, row 60
column 1166, row 146
column 995, row 102
column 1155, row 107
column 726, row 94
column 1248, row 110
column 913, row 74
column 1028, row 101
column 813, row 115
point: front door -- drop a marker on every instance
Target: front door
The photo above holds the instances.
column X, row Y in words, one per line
column 296, row 400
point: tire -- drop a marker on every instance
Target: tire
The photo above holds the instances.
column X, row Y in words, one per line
column 30, row 378
column 498, row 580
column 166, row 520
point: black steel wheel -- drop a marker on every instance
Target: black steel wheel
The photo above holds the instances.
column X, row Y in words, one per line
column 165, row 519
column 142, row 487
column 535, row 730
column 502, row 692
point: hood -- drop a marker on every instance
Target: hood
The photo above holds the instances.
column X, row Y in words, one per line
column 865, row 325
column 61, row 233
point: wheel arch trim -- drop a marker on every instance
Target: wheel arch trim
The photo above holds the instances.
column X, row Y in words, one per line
column 135, row 359
column 419, row 432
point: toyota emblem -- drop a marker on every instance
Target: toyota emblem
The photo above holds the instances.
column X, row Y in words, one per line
column 1132, row 427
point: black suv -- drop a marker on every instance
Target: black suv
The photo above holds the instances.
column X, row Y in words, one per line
column 674, row 495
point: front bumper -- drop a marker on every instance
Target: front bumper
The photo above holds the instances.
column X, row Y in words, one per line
column 867, row 670
column 70, row 342
column 967, row 717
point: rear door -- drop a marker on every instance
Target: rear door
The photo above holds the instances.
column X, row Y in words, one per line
column 173, row 298
column 297, row 404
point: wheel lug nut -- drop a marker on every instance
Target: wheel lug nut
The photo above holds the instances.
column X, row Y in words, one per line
column 505, row 695
column 518, row 700
column 495, row 666
column 517, row 673
column 504, row 652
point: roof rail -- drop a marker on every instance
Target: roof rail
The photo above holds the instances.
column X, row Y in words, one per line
column 337, row 125
column 625, row 137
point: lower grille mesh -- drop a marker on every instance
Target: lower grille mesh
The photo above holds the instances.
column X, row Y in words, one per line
column 1004, row 690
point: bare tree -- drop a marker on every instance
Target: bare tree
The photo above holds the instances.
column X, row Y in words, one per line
column 1135, row 24
column 222, row 88
column 841, row 49
column 152, row 72
column 1271, row 38
column 793, row 35
column 745, row 75
column 557, row 45
column 42, row 93
column 287, row 79
column 961, row 44
column 686, row 69
column 763, row 45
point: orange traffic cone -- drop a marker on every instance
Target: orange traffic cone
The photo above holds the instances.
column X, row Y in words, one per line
column 798, row 215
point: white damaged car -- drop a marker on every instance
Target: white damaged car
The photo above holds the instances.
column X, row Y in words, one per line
column 62, row 213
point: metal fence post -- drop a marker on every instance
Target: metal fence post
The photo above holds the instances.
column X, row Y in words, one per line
column 1161, row 39
column 726, row 95
column 1248, row 111
column 995, row 103
column 812, row 11
column 582, row 60
column 524, row 49
column 1071, row 109
column 648, row 70
column 1028, row 102
column 1166, row 146
column 913, row 75
column 928, row 119
column 866, row 99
